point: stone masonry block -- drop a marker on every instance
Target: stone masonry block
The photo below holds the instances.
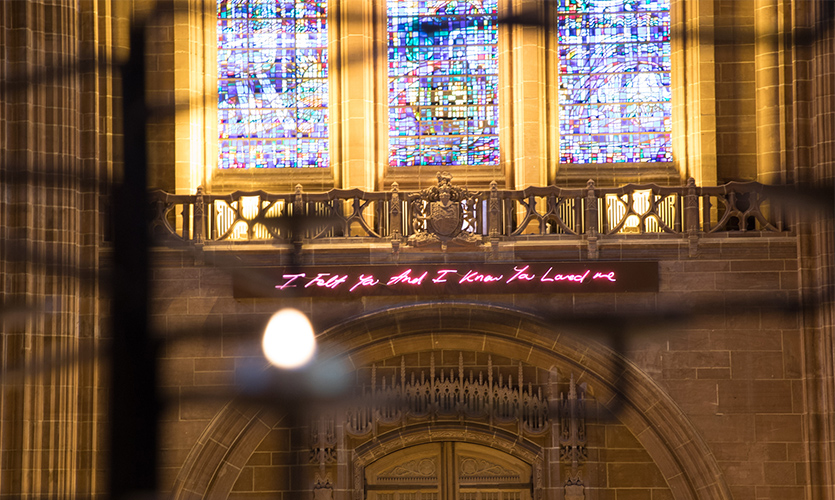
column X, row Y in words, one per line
column 634, row 475
column 756, row 365
column 779, row 428
column 754, row 396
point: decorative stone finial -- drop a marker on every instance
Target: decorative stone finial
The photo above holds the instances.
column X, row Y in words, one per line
column 443, row 178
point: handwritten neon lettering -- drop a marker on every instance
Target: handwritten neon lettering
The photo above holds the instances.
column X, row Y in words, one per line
column 405, row 277
column 577, row 278
column 474, row 276
column 336, row 281
column 364, row 280
column 446, row 280
column 521, row 274
column 332, row 282
column 317, row 280
column 442, row 275
column 609, row 276
column 292, row 278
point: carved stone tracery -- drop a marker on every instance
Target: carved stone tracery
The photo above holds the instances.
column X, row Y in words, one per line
column 323, row 488
column 359, row 484
column 477, row 469
column 323, row 440
column 450, row 394
column 420, row 470
column 323, row 452
column 453, row 395
column 573, row 439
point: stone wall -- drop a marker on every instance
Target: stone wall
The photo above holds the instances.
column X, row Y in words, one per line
column 734, row 367
column 732, row 400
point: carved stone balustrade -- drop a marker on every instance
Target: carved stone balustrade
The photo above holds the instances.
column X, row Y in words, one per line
column 447, row 214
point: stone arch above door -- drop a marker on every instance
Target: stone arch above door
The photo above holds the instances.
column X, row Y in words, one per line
column 647, row 411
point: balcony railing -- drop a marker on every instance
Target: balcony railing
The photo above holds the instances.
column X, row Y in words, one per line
column 483, row 217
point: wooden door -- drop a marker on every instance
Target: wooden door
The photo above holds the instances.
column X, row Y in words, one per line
column 448, row 471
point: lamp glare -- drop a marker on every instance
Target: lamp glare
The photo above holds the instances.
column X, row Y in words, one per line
column 288, row 339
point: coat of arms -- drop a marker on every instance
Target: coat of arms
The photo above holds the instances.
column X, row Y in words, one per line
column 443, row 213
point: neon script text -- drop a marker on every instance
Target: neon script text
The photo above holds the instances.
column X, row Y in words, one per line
column 440, row 278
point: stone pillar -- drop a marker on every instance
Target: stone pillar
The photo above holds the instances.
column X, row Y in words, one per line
column 767, row 77
column 56, row 149
column 193, row 63
column 552, row 483
column 359, row 93
column 528, row 101
column 693, row 89
column 159, row 90
column 814, row 157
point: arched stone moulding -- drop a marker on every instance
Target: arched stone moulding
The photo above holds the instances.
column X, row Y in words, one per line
column 476, row 433
column 642, row 406
column 216, row 460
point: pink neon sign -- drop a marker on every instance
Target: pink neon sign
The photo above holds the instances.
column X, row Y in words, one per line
column 448, row 279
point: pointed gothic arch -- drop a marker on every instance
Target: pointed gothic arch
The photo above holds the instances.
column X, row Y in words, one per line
column 644, row 407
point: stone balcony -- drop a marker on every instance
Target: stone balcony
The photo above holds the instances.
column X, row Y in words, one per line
column 447, row 221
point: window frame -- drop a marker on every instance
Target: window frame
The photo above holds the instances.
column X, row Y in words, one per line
column 528, row 131
column 267, row 179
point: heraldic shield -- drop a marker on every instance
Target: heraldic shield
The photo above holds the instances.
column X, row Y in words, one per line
column 446, row 219
column 442, row 214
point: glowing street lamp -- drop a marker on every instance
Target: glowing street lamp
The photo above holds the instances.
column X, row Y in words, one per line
column 288, row 341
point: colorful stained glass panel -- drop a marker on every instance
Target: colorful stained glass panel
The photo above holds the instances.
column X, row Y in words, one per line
column 614, row 81
column 443, row 82
column 598, row 6
column 272, row 83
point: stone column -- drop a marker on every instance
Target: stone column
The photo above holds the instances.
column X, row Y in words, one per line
column 193, row 63
column 814, row 157
column 57, row 148
column 359, row 93
column 693, row 89
column 767, row 78
column 528, row 101
column 159, row 90
column 552, row 483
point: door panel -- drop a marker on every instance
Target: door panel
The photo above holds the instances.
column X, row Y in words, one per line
column 448, row 471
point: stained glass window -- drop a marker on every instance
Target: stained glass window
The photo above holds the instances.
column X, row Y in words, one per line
column 614, row 81
column 272, row 83
column 443, row 82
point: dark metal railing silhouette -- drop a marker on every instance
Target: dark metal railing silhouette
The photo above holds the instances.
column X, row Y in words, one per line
column 548, row 212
